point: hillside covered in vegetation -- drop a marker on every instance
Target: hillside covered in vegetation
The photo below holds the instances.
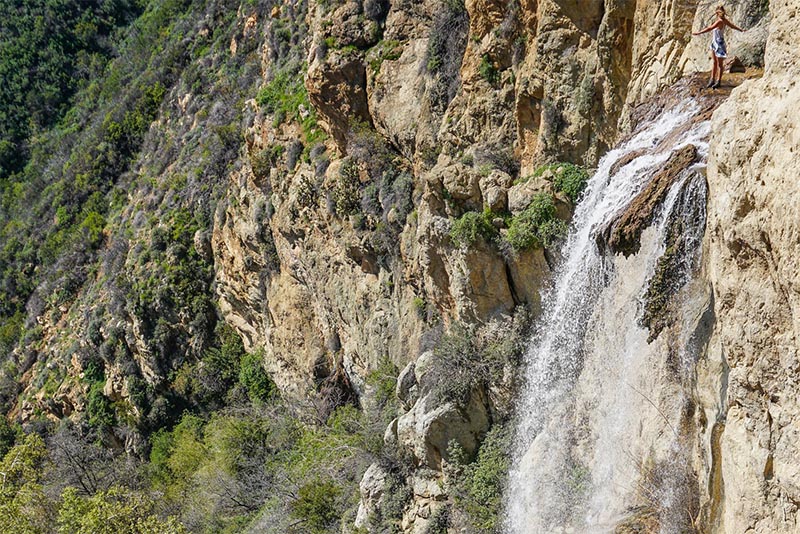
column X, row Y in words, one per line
column 273, row 265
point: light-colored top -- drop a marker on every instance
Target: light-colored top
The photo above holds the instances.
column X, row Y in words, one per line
column 718, row 42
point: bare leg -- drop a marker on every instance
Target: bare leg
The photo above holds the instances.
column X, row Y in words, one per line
column 713, row 66
column 720, row 67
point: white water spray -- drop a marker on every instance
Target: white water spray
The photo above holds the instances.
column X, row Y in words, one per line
column 587, row 419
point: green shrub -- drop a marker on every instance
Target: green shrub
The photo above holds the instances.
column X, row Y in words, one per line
column 495, row 156
column 23, row 504
column 162, row 444
column 384, row 380
column 307, row 194
column 265, row 160
column 8, row 435
column 284, row 93
column 316, row 505
column 488, row 71
column 568, row 178
column 397, row 492
column 371, row 150
column 284, row 97
column 115, row 511
column 254, row 378
column 419, row 306
column 347, row 190
column 472, row 225
column 50, row 49
column 187, row 451
column 93, row 225
column 478, row 487
column 537, row 225
column 458, row 366
column 10, row 329
column 446, row 44
column 468, row 357
column 440, row 520
column 98, row 407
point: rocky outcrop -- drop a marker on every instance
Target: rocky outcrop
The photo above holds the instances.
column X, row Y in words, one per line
column 430, row 427
column 337, row 89
column 624, row 233
column 752, row 424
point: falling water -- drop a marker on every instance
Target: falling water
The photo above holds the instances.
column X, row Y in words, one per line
column 599, row 411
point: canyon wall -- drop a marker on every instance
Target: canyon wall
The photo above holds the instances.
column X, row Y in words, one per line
column 333, row 248
column 750, row 395
column 515, row 86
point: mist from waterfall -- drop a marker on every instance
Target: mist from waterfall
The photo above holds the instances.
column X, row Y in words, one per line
column 598, row 414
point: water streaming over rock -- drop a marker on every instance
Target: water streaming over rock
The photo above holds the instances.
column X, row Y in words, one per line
column 599, row 437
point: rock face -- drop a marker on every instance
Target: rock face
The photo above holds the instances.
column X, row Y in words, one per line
column 534, row 82
column 623, row 234
column 752, row 422
column 430, row 426
column 468, row 101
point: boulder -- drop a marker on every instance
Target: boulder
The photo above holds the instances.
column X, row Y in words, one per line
column 734, row 64
column 462, row 182
column 371, row 489
column 494, row 190
column 406, row 383
column 521, row 195
column 428, row 428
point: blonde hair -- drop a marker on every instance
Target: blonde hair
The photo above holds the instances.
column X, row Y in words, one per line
column 720, row 8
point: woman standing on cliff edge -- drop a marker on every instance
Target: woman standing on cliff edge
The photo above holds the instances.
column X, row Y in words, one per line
column 718, row 50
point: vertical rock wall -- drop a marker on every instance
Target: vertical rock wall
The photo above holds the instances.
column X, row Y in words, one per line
column 751, row 411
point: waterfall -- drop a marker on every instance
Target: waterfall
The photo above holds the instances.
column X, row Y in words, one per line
column 598, row 435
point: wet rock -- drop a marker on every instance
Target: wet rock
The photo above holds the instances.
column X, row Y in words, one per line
column 624, row 160
column 684, row 233
column 623, row 234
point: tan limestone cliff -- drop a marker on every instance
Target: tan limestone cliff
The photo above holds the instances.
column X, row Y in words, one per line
column 753, row 247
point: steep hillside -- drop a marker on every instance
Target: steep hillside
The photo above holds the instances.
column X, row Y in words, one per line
column 256, row 253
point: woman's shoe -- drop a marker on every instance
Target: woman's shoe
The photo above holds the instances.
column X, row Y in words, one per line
column 716, row 85
column 710, row 83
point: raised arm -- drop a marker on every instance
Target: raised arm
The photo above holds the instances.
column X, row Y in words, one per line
column 716, row 24
column 732, row 25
